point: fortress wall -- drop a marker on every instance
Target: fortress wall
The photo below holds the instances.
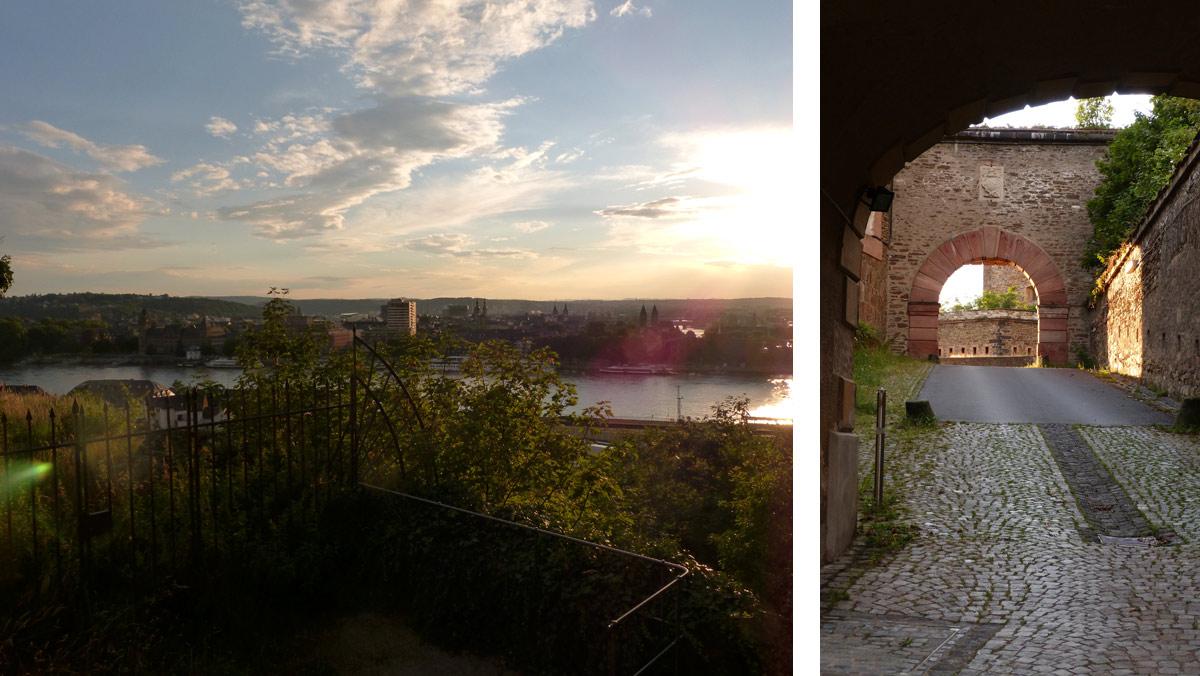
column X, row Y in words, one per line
column 1146, row 323
column 987, row 333
column 1031, row 183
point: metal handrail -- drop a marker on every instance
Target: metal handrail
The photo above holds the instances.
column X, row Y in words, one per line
column 682, row 570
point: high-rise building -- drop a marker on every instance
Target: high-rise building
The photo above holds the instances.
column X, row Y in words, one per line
column 401, row 317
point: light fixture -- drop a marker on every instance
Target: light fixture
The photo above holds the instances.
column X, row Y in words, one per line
column 879, row 199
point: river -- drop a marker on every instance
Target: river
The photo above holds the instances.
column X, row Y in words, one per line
column 631, row 396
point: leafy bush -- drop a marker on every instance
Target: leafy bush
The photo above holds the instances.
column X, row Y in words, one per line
column 1139, row 163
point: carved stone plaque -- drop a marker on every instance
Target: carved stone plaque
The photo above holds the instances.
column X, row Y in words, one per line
column 991, row 182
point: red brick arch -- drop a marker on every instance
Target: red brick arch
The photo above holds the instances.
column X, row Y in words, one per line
column 988, row 245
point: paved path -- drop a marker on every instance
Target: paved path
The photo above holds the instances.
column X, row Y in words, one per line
column 1005, row 395
column 1003, row 578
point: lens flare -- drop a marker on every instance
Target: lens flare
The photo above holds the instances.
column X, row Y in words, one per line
column 16, row 478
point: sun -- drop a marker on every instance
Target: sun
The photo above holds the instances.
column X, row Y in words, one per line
column 745, row 187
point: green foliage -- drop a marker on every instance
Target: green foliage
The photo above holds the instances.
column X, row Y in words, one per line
column 990, row 300
column 278, row 349
column 12, row 339
column 1094, row 113
column 1139, row 163
column 867, row 337
column 713, row 494
column 715, row 486
column 1085, row 360
column 6, row 274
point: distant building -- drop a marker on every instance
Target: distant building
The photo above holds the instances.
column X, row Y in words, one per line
column 117, row 392
column 401, row 317
column 22, row 389
column 171, row 411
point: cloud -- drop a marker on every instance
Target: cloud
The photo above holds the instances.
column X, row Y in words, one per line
column 372, row 151
column 426, row 48
column 455, row 244
column 531, row 226
column 212, row 179
column 115, row 158
column 219, row 126
column 628, row 8
column 667, row 207
column 58, row 208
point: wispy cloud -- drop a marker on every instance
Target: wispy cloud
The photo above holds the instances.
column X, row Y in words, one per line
column 211, row 179
column 67, row 210
column 220, row 127
column 115, row 158
column 459, row 246
column 667, row 207
column 628, row 8
column 530, row 226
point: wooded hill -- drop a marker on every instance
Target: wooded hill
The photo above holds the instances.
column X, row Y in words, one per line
column 117, row 308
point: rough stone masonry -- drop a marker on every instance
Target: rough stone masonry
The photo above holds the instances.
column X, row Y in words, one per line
column 1031, row 185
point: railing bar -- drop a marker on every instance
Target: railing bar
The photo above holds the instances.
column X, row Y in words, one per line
column 656, row 657
column 129, row 475
column 287, row 433
column 57, row 512
column 33, row 485
column 7, row 495
column 683, row 570
column 108, row 458
column 153, row 516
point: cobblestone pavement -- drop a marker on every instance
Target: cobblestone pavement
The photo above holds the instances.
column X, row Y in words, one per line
column 1001, row 581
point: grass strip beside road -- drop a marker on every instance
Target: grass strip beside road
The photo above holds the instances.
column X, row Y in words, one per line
column 882, row 531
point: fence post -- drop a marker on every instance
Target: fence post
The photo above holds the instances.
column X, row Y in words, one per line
column 81, row 534
column 880, row 421
column 354, row 413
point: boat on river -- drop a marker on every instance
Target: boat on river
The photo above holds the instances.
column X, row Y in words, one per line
column 222, row 363
column 638, row 370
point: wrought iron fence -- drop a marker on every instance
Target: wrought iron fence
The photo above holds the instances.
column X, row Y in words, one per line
column 159, row 487
column 120, row 499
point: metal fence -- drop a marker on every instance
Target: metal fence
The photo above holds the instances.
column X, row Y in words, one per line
column 160, row 487
column 119, row 500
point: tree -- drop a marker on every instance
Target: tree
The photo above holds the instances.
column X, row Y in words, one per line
column 990, row 300
column 1139, row 163
column 277, row 348
column 1094, row 113
column 6, row 274
column 12, row 339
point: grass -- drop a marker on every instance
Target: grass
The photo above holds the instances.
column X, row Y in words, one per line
column 882, row 529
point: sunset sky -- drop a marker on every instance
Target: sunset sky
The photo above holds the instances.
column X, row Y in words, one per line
column 537, row 149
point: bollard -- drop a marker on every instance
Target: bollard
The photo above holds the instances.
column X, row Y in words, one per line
column 880, row 418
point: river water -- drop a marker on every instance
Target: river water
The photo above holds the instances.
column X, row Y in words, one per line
column 630, row 396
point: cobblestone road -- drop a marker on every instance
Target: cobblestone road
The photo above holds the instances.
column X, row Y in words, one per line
column 1001, row 580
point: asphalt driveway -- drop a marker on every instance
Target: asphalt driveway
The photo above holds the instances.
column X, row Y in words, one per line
column 997, row 394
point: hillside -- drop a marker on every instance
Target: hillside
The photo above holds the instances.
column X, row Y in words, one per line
column 118, row 308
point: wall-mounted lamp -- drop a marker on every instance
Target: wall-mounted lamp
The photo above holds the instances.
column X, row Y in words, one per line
column 879, row 199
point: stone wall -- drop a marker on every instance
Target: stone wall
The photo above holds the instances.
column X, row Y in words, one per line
column 998, row 279
column 1031, row 184
column 987, row 333
column 1145, row 323
column 872, row 288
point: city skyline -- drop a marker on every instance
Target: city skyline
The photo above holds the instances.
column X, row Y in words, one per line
column 540, row 149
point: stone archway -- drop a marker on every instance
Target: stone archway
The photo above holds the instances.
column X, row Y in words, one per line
column 988, row 245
